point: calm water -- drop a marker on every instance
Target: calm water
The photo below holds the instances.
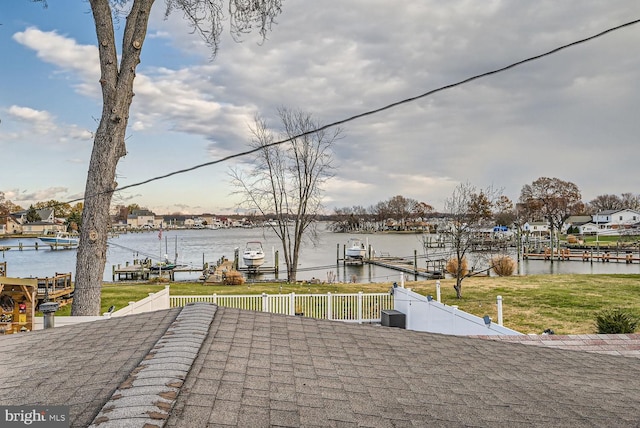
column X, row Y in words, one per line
column 194, row 247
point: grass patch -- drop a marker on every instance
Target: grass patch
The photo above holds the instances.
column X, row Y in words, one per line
column 565, row 303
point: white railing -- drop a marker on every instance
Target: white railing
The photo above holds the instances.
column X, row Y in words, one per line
column 154, row 302
column 359, row 307
column 425, row 314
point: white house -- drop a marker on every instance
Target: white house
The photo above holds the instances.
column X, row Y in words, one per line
column 616, row 220
column 536, row 227
column 589, row 228
column 141, row 219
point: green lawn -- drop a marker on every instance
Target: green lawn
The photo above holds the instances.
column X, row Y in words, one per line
column 565, row 303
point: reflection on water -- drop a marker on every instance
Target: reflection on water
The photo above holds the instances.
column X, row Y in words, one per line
column 195, row 247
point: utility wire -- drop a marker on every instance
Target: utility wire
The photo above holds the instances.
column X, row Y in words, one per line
column 371, row 112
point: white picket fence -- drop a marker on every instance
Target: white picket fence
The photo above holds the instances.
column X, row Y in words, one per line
column 357, row 308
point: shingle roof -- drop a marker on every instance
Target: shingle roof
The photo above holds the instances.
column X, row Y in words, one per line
column 627, row 345
column 258, row 369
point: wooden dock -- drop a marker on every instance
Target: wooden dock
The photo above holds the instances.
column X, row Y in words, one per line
column 408, row 266
column 38, row 246
column 130, row 272
column 565, row 254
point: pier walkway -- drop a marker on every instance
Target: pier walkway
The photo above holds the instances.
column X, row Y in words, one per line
column 408, row 266
column 604, row 256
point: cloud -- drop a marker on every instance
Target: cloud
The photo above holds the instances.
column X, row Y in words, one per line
column 40, row 121
column 568, row 115
column 19, row 196
column 65, row 53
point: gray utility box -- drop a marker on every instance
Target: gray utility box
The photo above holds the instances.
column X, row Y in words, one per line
column 393, row 318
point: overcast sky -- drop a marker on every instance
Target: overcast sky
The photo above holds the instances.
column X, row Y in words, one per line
column 570, row 115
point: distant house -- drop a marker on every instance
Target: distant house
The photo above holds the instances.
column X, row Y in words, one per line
column 616, row 221
column 42, row 228
column 158, row 222
column 175, row 221
column 45, row 214
column 17, row 222
column 589, row 228
column 139, row 219
column 12, row 226
column 575, row 221
column 536, row 228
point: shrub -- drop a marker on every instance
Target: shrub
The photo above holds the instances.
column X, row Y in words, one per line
column 615, row 321
column 503, row 265
column 452, row 267
column 233, row 278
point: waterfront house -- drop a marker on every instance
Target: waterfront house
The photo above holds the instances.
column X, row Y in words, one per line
column 616, row 221
column 575, row 222
column 17, row 222
column 42, row 228
column 9, row 226
column 139, row 219
column 536, row 228
column 589, row 228
column 45, row 214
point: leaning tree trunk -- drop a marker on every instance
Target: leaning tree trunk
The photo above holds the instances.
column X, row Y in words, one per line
column 108, row 146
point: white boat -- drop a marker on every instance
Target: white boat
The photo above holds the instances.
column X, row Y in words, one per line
column 355, row 249
column 60, row 238
column 253, row 255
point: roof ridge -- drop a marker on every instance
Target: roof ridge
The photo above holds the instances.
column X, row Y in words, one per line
column 149, row 393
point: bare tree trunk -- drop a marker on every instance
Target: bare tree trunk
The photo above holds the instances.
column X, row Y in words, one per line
column 108, row 146
column 286, row 180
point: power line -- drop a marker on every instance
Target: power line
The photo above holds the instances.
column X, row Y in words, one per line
column 374, row 111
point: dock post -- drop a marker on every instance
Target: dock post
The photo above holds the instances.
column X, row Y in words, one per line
column 415, row 263
column 276, row 267
column 113, row 273
column 337, row 254
column 236, row 257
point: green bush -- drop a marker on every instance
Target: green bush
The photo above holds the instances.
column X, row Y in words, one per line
column 615, row 321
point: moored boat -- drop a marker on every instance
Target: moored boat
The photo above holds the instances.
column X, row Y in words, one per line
column 355, row 249
column 60, row 238
column 253, row 255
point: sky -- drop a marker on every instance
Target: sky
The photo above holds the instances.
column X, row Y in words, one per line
column 570, row 115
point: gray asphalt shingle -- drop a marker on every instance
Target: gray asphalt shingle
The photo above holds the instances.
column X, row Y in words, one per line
column 255, row 369
column 79, row 366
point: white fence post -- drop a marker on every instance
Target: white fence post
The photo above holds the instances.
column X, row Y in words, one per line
column 265, row 303
column 359, row 307
column 292, row 304
column 329, row 306
column 438, row 291
column 454, row 315
column 499, row 310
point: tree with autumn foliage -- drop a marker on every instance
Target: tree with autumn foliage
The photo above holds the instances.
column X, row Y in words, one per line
column 468, row 210
column 551, row 199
